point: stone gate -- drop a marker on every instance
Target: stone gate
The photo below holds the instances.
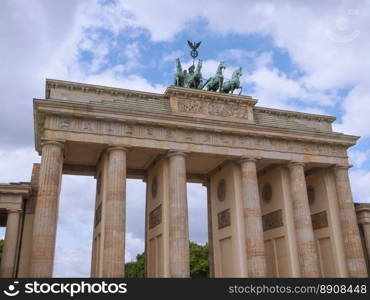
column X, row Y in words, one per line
column 279, row 197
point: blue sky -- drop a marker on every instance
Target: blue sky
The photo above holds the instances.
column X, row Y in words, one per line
column 306, row 56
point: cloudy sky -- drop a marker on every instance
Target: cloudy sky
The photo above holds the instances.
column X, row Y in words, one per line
column 306, row 56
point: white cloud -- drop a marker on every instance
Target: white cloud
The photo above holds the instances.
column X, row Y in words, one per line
column 112, row 77
column 356, row 119
column 358, row 157
column 360, row 185
column 38, row 40
column 198, row 217
column 134, row 246
column 172, row 55
column 16, row 164
column 132, row 51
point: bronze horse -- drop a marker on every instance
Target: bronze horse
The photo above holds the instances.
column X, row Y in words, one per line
column 215, row 83
column 234, row 83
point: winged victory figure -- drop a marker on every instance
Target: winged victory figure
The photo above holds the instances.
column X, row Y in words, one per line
column 194, row 46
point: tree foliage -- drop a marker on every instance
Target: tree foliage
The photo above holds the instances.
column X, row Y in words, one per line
column 135, row 269
column 198, row 263
column 199, row 260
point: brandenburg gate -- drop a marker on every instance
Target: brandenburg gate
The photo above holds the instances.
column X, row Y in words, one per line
column 279, row 197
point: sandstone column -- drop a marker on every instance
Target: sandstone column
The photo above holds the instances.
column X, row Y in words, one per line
column 146, row 227
column 307, row 253
column 179, row 229
column 334, row 214
column 114, row 227
column 8, row 258
column 350, row 231
column 366, row 228
column 256, row 261
column 46, row 212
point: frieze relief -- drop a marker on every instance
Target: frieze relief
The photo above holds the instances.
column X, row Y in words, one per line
column 212, row 109
column 194, row 136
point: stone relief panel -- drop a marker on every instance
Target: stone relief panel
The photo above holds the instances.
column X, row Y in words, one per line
column 272, row 220
column 155, row 217
column 192, row 106
column 212, row 108
column 224, row 219
column 195, row 136
column 319, row 220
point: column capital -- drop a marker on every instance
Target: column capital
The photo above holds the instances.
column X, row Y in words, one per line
column 50, row 142
column 244, row 159
column 14, row 211
column 295, row 163
column 116, row 147
column 341, row 166
column 176, row 153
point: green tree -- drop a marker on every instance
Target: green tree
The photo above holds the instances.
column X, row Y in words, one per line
column 198, row 263
column 199, row 260
column 135, row 269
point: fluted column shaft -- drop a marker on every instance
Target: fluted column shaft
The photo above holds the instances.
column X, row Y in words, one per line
column 307, row 253
column 366, row 228
column 115, row 204
column 8, row 258
column 46, row 212
column 256, row 261
column 350, row 231
column 179, row 229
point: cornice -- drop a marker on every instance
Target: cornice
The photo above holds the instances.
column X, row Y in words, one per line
column 96, row 89
column 22, row 188
column 298, row 115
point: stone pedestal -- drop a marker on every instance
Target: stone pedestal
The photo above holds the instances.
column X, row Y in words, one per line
column 46, row 212
column 179, row 228
column 114, row 228
column 256, row 261
column 307, row 253
column 350, row 231
column 8, row 258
